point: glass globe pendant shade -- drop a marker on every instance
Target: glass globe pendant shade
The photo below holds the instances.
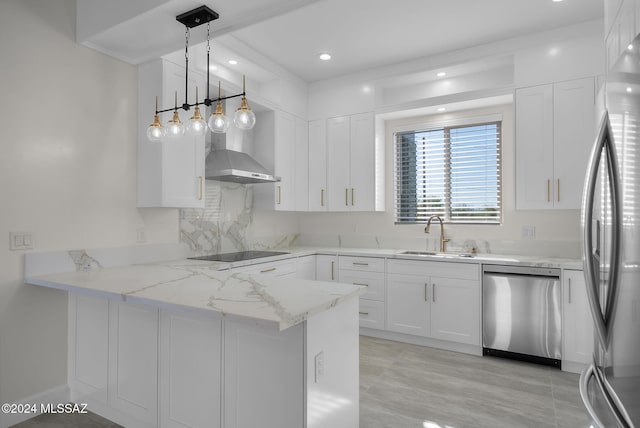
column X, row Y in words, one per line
column 175, row 128
column 218, row 122
column 244, row 118
column 196, row 125
column 155, row 131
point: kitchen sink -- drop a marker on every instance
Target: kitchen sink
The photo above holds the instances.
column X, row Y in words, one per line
column 435, row 254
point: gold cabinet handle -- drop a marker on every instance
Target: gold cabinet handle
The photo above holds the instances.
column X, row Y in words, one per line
column 558, row 190
column 346, row 197
column 279, row 195
column 267, row 270
column 433, row 292
column 322, row 197
column 200, row 178
column 332, row 264
column 360, row 264
column 363, row 313
column 569, row 283
column 426, row 292
column 352, row 197
column 361, row 284
column 548, row 190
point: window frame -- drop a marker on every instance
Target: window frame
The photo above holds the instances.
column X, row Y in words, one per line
column 461, row 121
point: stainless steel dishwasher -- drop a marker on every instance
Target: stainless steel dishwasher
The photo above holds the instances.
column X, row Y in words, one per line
column 521, row 313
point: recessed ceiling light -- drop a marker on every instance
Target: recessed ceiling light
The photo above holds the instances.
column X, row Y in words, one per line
column 441, row 109
column 325, row 56
column 233, row 62
column 441, row 74
column 629, row 89
column 556, row 1
column 630, row 47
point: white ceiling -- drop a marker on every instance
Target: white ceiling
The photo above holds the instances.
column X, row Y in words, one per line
column 359, row 34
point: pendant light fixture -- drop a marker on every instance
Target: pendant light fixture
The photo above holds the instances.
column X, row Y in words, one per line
column 218, row 122
column 244, row 118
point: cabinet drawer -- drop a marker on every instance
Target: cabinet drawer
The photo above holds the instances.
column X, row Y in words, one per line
column 371, row 313
column 374, row 281
column 279, row 268
column 428, row 268
column 370, row 264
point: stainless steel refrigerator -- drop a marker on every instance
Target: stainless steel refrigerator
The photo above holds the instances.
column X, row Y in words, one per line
column 610, row 386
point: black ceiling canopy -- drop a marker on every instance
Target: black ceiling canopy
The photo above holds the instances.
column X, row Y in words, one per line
column 197, row 16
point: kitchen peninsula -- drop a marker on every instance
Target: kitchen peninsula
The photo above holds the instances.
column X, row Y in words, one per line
column 181, row 343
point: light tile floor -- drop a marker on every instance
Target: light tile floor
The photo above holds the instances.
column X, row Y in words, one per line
column 410, row 386
column 404, row 385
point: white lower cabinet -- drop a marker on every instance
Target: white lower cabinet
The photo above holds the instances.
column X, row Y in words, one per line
column 577, row 336
column 306, row 267
column 284, row 268
column 144, row 367
column 190, row 363
column 326, row 267
column 438, row 300
column 366, row 272
column 133, row 361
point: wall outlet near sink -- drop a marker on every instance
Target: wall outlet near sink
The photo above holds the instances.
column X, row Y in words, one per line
column 528, row 232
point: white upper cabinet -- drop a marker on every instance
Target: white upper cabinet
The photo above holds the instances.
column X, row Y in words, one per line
column 282, row 145
column 317, row 162
column 170, row 172
column 351, row 157
column 554, row 131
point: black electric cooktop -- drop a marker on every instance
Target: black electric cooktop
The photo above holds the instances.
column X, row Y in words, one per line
column 241, row 255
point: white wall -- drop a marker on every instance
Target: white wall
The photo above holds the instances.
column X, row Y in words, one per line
column 67, row 174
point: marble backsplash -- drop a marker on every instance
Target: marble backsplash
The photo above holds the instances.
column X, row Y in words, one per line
column 229, row 222
column 226, row 223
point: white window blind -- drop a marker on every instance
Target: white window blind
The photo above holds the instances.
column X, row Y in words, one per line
column 451, row 171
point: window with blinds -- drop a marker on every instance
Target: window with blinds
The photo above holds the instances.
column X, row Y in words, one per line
column 451, row 171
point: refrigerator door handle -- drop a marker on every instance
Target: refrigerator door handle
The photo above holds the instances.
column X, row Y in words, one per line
column 591, row 258
column 610, row 397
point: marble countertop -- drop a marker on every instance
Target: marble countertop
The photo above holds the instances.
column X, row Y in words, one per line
column 199, row 287
column 213, row 288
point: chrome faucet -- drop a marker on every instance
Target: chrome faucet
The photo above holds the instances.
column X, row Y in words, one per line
column 443, row 240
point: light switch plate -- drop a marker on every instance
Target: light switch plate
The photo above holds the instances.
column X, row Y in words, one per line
column 20, row 241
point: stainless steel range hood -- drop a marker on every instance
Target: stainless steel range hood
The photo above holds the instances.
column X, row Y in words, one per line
column 228, row 160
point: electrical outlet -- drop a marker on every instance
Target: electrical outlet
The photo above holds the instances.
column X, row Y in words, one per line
column 141, row 236
column 319, row 363
column 528, row 232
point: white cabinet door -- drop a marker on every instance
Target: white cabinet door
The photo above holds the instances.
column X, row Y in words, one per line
column 326, row 268
column 338, row 163
column 88, row 347
column 285, row 132
column 573, row 135
column 170, row 172
column 317, row 165
column 408, row 304
column 190, row 371
column 306, row 267
column 301, row 165
column 133, row 360
column 264, row 370
column 362, row 163
column 554, row 130
column 534, row 147
column 577, row 336
column 455, row 310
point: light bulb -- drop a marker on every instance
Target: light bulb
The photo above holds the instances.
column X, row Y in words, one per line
column 218, row 122
column 155, row 131
column 175, row 128
column 196, row 125
column 244, row 118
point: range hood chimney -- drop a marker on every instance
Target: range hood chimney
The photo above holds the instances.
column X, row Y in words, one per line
column 228, row 160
